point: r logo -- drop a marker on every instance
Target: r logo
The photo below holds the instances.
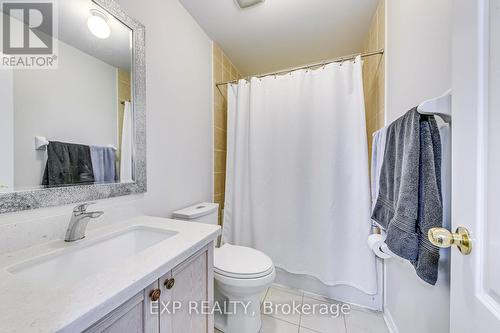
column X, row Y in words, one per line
column 27, row 28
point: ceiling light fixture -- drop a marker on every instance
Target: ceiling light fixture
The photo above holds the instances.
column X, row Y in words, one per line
column 98, row 24
column 248, row 3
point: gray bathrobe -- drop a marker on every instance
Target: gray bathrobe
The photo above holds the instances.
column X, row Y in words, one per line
column 410, row 201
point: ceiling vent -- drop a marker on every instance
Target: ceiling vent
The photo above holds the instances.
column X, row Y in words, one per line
column 248, row 3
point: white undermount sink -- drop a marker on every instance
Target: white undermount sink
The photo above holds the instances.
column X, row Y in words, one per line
column 87, row 257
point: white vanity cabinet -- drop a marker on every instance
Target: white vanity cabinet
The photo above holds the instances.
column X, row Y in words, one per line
column 132, row 316
column 188, row 285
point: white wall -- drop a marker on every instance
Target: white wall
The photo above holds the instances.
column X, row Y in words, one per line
column 418, row 52
column 75, row 103
column 6, row 130
column 418, row 60
column 179, row 98
column 179, row 115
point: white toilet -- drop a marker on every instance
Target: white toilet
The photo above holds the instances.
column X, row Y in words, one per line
column 242, row 274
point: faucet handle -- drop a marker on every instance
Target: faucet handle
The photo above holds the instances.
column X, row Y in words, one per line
column 83, row 207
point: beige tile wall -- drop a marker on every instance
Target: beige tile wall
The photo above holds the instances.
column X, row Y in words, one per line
column 224, row 70
column 374, row 75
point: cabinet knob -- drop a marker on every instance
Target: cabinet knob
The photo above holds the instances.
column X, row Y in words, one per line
column 169, row 283
column 155, row 294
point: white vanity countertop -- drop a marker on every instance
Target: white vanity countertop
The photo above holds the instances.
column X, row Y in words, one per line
column 26, row 306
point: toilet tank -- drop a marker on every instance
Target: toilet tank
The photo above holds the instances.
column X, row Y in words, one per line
column 205, row 212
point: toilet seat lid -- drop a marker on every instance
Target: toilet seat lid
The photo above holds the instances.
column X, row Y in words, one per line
column 241, row 262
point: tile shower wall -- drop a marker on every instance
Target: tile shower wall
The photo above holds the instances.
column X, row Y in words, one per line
column 224, row 70
column 374, row 75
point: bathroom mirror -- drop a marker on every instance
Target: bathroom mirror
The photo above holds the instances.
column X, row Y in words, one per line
column 72, row 104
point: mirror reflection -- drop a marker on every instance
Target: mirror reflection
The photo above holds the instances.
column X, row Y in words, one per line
column 71, row 125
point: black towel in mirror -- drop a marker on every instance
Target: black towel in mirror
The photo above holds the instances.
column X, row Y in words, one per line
column 68, row 164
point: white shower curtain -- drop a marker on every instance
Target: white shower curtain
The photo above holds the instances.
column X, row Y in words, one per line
column 297, row 183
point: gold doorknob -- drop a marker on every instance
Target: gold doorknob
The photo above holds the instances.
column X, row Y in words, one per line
column 441, row 237
column 155, row 294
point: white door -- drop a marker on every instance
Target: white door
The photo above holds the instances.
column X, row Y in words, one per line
column 475, row 278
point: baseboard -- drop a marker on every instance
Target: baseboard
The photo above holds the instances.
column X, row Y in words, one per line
column 390, row 322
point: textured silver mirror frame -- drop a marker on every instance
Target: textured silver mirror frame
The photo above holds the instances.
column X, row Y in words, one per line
column 48, row 197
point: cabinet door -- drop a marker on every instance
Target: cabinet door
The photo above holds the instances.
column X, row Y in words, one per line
column 134, row 316
column 191, row 287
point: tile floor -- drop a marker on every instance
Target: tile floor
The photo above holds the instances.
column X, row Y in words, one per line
column 357, row 320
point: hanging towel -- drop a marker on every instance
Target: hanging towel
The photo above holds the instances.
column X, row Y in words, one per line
column 68, row 164
column 126, row 146
column 378, row 148
column 410, row 201
column 103, row 163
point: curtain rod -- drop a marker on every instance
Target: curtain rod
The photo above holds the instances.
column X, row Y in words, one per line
column 323, row 63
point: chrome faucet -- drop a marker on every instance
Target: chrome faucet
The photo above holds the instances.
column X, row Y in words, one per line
column 79, row 221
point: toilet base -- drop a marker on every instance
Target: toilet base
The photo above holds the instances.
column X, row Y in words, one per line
column 242, row 297
column 237, row 321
